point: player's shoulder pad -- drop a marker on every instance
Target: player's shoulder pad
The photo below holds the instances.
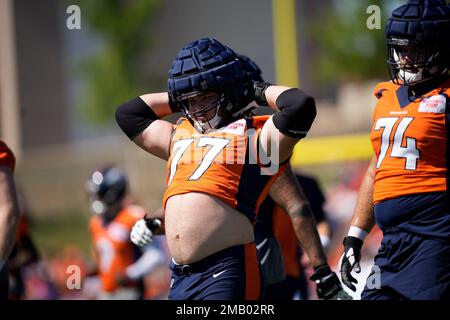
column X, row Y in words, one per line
column 384, row 86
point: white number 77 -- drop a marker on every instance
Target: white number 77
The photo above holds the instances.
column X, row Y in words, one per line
column 181, row 146
column 410, row 152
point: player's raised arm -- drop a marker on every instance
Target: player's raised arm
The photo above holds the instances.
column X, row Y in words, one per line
column 297, row 111
column 287, row 193
column 139, row 120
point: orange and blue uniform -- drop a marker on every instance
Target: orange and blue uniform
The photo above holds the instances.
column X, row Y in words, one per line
column 274, row 222
column 410, row 138
column 225, row 164
column 113, row 250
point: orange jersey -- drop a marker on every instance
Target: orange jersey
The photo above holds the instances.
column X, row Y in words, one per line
column 6, row 156
column 113, row 250
column 285, row 234
column 223, row 163
column 410, row 141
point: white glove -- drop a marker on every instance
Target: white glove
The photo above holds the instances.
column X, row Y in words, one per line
column 141, row 235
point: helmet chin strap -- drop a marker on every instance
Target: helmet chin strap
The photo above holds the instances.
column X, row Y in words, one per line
column 208, row 125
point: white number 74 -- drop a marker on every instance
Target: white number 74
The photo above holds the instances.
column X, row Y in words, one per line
column 410, row 152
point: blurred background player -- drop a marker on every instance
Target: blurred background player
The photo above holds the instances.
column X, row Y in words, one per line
column 405, row 190
column 279, row 254
column 121, row 265
column 296, row 263
column 9, row 214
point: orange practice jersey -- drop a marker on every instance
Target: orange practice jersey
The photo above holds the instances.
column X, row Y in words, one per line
column 285, row 234
column 410, row 142
column 223, row 163
column 113, row 250
column 6, row 156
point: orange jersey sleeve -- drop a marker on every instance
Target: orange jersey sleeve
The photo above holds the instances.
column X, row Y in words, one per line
column 409, row 139
column 7, row 157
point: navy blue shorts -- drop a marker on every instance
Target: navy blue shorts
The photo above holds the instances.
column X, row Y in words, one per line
column 410, row 267
column 230, row 274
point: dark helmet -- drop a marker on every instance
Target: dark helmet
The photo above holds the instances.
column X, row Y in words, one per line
column 418, row 44
column 252, row 71
column 204, row 67
column 106, row 188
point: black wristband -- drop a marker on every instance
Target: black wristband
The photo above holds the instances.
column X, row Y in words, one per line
column 134, row 116
column 260, row 92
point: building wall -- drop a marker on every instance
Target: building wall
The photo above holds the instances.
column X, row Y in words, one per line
column 40, row 75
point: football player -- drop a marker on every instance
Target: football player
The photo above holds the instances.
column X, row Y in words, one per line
column 218, row 165
column 405, row 190
column 288, row 227
column 9, row 213
column 302, row 227
column 121, row 265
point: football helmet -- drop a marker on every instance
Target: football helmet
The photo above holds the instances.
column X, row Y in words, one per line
column 106, row 187
column 417, row 41
column 208, row 83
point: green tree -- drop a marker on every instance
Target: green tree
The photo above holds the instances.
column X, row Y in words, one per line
column 348, row 48
column 114, row 75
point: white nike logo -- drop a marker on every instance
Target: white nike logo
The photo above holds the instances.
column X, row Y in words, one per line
column 215, row 275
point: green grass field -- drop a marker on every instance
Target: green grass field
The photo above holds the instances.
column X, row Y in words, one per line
column 52, row 233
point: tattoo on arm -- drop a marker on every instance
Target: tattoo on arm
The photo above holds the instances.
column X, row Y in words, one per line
column 287, row 193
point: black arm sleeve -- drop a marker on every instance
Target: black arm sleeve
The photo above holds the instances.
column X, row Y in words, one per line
column 297, row 113
column 134, row 116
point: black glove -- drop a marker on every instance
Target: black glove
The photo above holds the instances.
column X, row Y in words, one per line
column 260, row 90
column 350, row 260
column 153, row 224
column 328, row 284
column 174, row 106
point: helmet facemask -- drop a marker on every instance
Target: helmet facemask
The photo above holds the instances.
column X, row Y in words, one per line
column 204, row 109
column 413, row 62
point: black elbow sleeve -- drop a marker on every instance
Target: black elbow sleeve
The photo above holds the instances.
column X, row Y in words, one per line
column 134, row 116
column 297, row 113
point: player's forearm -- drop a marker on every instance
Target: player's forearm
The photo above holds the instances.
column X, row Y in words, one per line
column 159, row 103
column 363, row 216
column 272, row 93
column 287, row 193
column 306, row 230
column 9, row 213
